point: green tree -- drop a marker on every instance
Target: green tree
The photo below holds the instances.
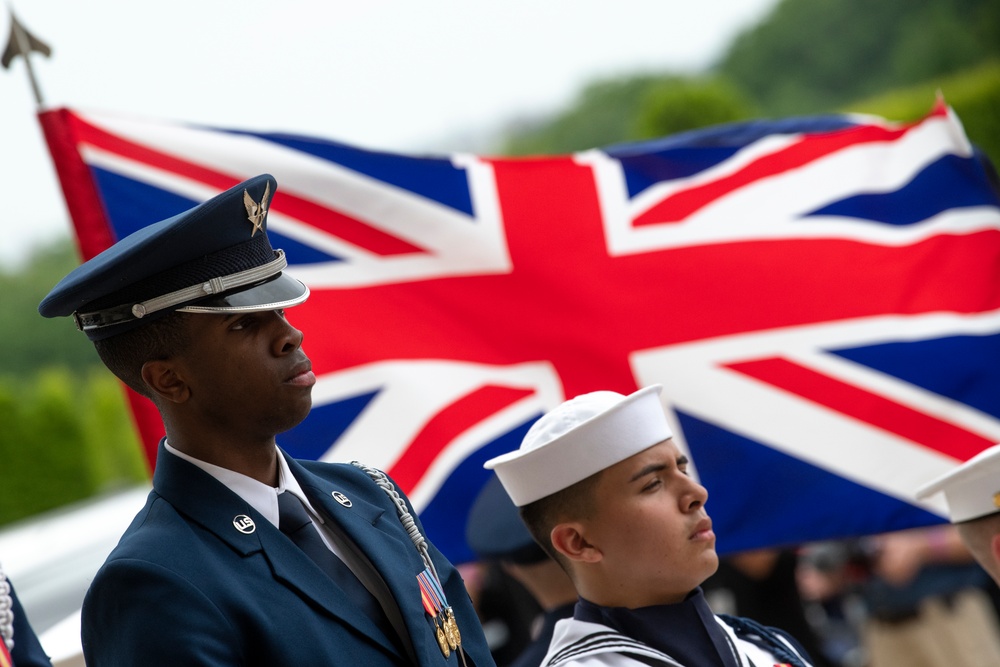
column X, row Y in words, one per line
column 680, row 104
column 32, row 342
column 974, row 95
column 64, row 439
column 813, row 56
column 640, row 107
column 603, row 113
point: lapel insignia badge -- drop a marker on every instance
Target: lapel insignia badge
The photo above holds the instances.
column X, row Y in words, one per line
column 996, row 499
column 342, row 499
column 255, row 211
column 244, row 524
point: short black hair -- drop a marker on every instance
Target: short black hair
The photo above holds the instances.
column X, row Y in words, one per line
column 125, row 354
column 572, row 503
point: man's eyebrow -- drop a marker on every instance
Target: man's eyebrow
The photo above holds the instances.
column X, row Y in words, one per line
column 648, row 470
column 682, row 461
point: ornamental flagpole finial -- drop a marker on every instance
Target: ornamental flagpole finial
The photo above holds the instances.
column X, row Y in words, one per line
column 22, row 43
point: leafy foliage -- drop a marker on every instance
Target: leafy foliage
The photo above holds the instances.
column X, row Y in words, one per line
column 32, row 342
column 67, row 433
column 808, row 56
column 973, row 94
column 640, row 107
column 64, row 439
column 603, row 112
column 680, row 104
column 812, row 56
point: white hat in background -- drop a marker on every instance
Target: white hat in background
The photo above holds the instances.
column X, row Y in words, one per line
column 579, row 438
column 972, row 489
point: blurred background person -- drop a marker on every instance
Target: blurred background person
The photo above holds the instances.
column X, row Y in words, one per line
column 829, row 576
column 508, row 552
column 20, row 647
column 761, row 585
column 927, row 603
column 911, row 597
column 972, row 491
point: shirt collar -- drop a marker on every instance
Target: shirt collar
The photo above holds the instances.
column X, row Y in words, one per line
column 686, row 631
column 262, row 497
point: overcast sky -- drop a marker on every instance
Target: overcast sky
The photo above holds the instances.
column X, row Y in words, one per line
column 387, row 74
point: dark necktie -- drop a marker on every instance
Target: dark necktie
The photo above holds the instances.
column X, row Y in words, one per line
column 294, row 521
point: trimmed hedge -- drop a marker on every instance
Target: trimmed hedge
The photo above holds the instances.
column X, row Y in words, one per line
column 974, row 95
column 64, row 438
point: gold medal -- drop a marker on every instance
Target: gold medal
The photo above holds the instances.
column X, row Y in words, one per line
column 454, row 636
column 449, row 633
column 436, row 606
column 442, row 642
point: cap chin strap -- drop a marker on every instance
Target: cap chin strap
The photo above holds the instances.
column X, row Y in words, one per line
column 103, row 318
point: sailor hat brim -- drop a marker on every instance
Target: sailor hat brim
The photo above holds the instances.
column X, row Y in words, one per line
column 579, row 438
column 972, row 490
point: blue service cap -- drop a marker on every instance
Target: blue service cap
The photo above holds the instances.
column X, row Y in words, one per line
column 494, row 530
column 213, row 258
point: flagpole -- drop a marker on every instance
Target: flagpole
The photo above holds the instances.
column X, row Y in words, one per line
column 22, row 46
column 23, row 43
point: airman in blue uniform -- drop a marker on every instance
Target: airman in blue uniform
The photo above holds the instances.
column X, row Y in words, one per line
column 243, row 555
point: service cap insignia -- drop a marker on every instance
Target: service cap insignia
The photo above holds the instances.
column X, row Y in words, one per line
column 255, row 211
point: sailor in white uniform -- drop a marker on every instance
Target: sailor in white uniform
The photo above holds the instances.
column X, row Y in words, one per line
column 604, row 489
column 972, row 493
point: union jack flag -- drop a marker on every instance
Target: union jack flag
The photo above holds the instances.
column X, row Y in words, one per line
column 820, row 298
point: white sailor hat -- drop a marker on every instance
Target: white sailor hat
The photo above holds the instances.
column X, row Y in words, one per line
column 579, row 438
column 972, row 490
column 213, row 258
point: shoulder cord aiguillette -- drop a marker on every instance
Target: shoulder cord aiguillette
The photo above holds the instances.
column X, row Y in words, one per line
column 6, row 612
column 449, row 636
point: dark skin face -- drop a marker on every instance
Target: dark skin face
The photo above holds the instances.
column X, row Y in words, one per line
column 243, row 379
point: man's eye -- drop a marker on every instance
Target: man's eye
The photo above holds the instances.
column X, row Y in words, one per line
column 654, row 483
column 243, row 323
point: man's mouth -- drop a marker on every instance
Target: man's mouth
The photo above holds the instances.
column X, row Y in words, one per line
column 302, row 376
column 703, row 530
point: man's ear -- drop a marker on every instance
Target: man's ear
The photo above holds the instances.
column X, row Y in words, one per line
column 164, row 382
column 995, row 548
column 569, row 540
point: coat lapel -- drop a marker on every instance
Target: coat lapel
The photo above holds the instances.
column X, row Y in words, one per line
column 379, row 535
column 208, row 502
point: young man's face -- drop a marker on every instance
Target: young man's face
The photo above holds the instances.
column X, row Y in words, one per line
column 651, row 527
column 247, row 373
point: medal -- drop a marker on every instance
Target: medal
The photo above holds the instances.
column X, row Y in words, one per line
column 454, row 636
column 449, row 633
column 442, row 642
column 435, row 605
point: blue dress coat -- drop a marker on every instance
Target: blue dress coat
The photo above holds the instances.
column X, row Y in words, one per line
column 185, row 586
column 27, row 652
